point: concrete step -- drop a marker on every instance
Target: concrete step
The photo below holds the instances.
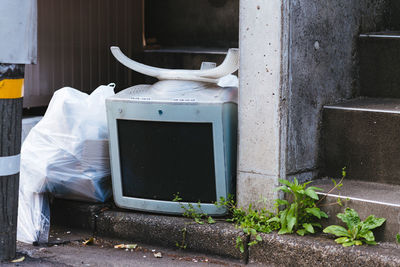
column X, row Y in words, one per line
column 366, row 198
column 379, row 55
column 364, row 136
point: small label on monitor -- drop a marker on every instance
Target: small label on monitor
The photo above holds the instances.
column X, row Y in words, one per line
column 140, row 98
column 184, row 99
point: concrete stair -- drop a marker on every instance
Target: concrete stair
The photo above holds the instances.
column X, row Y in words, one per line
column 363, row 135
column 366, row 198
column 379, row 55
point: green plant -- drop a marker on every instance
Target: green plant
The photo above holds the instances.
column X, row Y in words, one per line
column 251, row 221
column 357, row 231
column 300, row 214
column 337, row 186
column 191, row 212
column 182, row 245
column 398, row 238
column 194, row 213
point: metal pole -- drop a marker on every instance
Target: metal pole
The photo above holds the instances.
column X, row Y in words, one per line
column 11, row 86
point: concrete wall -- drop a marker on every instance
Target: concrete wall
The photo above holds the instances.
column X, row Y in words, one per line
column 323, row 68
column 296, row 56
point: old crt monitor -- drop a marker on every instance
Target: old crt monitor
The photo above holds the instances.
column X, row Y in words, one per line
column 175, row 136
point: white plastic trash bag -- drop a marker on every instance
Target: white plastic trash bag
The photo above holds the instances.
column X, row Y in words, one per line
column 65, row 155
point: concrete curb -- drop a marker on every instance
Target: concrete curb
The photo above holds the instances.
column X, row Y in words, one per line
column 219, row 238
column 76, row 214
column 293, row 250
column 214, row 239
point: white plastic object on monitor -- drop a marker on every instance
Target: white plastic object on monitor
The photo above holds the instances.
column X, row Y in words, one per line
column 228, row 66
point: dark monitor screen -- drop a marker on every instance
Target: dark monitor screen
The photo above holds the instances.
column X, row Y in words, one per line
column 160, row 159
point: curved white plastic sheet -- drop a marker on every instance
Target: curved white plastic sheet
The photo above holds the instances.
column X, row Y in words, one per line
column 211, row 75
column 65, row 155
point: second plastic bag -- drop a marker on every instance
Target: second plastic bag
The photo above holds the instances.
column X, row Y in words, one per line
column 65, row 155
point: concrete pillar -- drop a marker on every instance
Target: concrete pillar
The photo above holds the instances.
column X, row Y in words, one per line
column 261, row 102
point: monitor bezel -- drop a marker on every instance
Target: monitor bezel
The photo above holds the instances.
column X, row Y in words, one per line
column 167, row 112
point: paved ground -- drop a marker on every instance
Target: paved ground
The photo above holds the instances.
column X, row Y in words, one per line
column 67, row 250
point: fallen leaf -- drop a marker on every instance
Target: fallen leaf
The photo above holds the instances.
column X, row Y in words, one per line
column 119, row 246
column 88, row 242
column 19, row 259
column 158, row 255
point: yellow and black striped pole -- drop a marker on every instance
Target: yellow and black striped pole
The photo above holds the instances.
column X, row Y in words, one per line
column 11, row 93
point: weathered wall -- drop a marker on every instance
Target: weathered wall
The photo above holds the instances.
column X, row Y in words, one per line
column 322, row 68
column 191, row 23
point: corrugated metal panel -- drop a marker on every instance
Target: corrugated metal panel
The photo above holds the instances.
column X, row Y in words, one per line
column 74, row 37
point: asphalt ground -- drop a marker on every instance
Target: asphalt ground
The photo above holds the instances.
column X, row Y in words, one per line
column 66, row 248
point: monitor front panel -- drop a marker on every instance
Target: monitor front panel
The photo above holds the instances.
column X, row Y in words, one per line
column 159, row 159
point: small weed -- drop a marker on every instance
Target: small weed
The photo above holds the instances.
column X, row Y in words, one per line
column 398, row 238
column 357, row 231
column 182, row 245
column 191, row 212
column 337, row 186
column 240, row 244
column 251, row 221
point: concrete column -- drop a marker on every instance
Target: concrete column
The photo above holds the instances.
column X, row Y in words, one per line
column 261, row 103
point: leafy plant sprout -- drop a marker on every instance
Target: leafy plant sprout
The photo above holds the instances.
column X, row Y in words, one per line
column 250, row 220
column 337, row 186
column 357, row 231
column 191, row 212
column 183, row 244
column 301, row 214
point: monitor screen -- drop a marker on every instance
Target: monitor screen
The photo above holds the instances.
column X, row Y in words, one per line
column 159, row 159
